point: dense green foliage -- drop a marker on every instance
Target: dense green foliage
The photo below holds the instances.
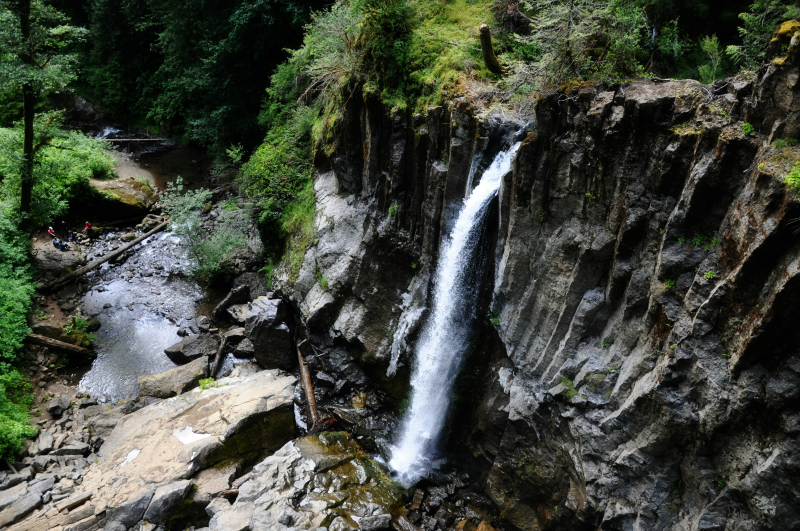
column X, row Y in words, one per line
column 278, row 177
column 46, row 59
column 15, row 400
column 194, row 69
column 64, row 161
column 16, row 291
column 551, row 42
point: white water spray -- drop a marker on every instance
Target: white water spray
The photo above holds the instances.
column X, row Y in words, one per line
column 445, row 337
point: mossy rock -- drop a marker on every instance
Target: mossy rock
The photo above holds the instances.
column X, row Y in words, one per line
column 351, row 482
column 781, row 39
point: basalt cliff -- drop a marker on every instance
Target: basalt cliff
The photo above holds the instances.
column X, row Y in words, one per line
column 637, row 364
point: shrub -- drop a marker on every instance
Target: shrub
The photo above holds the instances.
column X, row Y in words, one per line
column 321, row 280
column 570, row 390
column 669, row 283
column 15, row 402
column 709, row 275
column 792, row 179
column 747, row 128
column 710, row 47
column 211, row 253
column 16, row 289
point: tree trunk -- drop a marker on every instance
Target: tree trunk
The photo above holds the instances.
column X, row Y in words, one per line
column 489, row 56
column 28, row 101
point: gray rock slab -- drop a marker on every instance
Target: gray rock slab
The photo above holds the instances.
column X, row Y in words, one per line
column 21, row 507
column 192, row 347
column 174, row 381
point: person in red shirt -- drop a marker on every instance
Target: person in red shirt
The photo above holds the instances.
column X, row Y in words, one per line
column 51, row 232
column 87, row 228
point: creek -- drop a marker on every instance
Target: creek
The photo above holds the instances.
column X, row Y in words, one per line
column 145, row 298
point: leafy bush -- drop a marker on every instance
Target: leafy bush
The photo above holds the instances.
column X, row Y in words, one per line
column 16, row 290
column 710, row 47
column 669, row 283
column 747, row 128
column 792, row 179
column 758, row 23
column 278, row 177
column 15, row 402
column 211, row 253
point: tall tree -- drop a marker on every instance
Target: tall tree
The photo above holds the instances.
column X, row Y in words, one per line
column 34, row 60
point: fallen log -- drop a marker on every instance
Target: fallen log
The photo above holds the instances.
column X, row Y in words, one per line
column 121, row 222
column 44, row 341
column 100, row 261
column 215, row 366
column 489, row 56
column 309, row 389
column 240, row 481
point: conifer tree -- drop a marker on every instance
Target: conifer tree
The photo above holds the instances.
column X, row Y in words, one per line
column 34, row 61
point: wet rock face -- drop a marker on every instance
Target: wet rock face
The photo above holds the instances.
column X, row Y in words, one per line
column 645, row 271
column 321, row 480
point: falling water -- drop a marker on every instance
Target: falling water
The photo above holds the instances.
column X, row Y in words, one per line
column 445, row 337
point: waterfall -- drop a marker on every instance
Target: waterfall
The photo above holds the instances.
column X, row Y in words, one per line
column 446, row 335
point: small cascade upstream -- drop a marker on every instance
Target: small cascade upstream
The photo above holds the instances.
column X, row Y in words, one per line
column 446, row 335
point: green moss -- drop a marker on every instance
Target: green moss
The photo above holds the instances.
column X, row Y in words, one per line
column 445, row 50
column 570, row 390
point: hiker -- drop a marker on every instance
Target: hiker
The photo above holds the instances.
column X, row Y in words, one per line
column 58, row 244
column 87, row 228
column 64, row 231
column 51, row 232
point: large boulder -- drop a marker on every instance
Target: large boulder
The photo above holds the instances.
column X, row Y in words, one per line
column 144, row 467
column 192, row 347
column 174, row 381
column 272, row 340
column 57, row 406
column 311, row 482
column 165, row 499
column 254, row 282
column 238, row 295
column 48, row 259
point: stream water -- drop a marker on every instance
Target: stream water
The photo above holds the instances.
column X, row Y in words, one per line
column 143, row 300
column 446, row 335
column 141, row 304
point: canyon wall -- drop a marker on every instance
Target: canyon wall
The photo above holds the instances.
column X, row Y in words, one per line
column 643, row 370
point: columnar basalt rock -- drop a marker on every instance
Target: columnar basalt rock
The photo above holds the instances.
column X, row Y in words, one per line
column 645, row 270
